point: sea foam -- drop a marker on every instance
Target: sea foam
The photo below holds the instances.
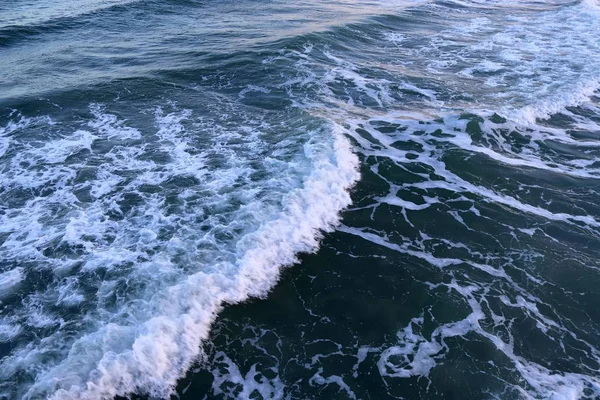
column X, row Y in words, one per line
column 149, row 357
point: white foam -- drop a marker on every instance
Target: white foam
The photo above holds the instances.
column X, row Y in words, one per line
column 253, row 88
column 420, row 354
column 4, row 144
column 517, row 64
column 110, row 126
column 251, row 383
column 177, row 288
column 592, row 5
column 521, row 67
column 576, row 95
column 156, row 334
column 9, row 329
column 439, row 262
column 319, row 379
column 9, row 280
column 455, row 183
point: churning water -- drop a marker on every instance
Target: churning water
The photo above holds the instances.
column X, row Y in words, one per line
column 431, row 168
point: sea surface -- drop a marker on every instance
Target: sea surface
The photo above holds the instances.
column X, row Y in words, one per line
column 273, row 199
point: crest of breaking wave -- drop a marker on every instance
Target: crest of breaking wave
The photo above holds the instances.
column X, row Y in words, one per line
column 124, row 243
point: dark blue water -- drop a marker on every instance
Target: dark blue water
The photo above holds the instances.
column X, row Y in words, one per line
column 428, row 169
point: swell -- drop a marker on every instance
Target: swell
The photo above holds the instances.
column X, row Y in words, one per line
column 109, row 17
column 189, row 68
column 14, row 33
column 137, row 63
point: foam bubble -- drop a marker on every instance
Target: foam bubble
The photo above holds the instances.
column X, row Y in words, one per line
column 252, row 382
column 9, row 280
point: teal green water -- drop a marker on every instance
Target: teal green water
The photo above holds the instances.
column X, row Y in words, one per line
column 267, row 200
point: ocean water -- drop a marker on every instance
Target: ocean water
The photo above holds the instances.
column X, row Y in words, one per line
column 266, row 199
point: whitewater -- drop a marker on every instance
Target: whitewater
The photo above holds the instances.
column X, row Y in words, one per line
column 157, row 183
